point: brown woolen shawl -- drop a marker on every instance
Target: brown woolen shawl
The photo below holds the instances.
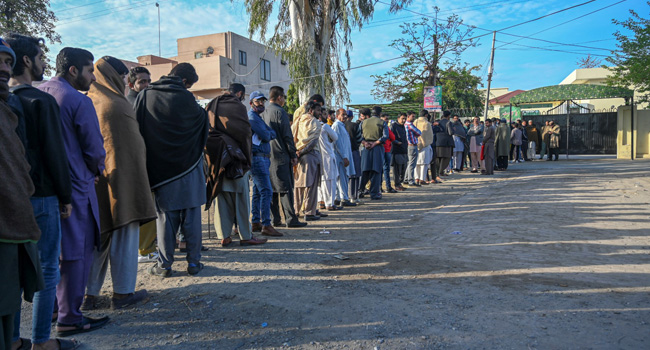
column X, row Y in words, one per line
column 228, row 149
column 123, row 191
column 17, row 222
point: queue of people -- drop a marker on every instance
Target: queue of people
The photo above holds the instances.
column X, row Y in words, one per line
column 103, row 167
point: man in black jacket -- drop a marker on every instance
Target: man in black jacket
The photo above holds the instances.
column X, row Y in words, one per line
column 444, row 143
column 400, row 154
column 283, row 159
column 50, row 174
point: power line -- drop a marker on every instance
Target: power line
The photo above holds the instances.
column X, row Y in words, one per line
column 76, row 7
column 519, row 24
column 442, row 12
column 547, row 15
column 554, row 50
column 565, row 22
column 109, row 11
column 472, row 38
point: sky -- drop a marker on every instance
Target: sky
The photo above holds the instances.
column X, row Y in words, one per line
column 129, row 28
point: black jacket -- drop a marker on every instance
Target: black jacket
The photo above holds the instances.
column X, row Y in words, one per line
column 400, row 136
column 45, row 149
column 443, row 136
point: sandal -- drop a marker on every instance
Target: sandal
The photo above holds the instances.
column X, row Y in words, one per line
column 86, row 325
column 67, row 344
column 25, row 344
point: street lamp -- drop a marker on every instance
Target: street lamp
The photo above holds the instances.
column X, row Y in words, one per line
column 159, row 50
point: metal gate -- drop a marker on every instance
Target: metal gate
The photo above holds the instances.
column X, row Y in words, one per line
column 590, row 133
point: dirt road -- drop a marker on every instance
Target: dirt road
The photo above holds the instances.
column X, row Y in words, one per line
column 548, row 255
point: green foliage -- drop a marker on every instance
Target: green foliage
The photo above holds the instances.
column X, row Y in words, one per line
column 426, row 46
column 32, row 17
column 631, row 62
column 293, row 102
column 460, row 88
column 314, row 37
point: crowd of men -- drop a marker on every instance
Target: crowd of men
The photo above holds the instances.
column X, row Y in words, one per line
column 98, row 174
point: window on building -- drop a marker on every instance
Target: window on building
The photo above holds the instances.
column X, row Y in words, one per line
column 198, row 55
column 242, row 58
column 265, row 70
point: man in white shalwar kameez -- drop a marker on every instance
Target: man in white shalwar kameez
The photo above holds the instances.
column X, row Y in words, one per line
column 343, row 158
column 425, row 153
column 329, row 169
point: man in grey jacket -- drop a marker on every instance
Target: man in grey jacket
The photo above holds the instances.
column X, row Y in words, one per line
column 283, row 158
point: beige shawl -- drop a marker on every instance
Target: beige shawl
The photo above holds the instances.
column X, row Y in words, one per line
column 123, row 191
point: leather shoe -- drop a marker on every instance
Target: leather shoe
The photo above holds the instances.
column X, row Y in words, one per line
column 318, row 213
column 297, row 224
column 226, row 242
column 312, row 217
column 348, row 204
column 337, row 202
column 392, row 190
column 128, row 300
column 271, row 231
column 256, row 227
column 253, row 241
column 334, row 208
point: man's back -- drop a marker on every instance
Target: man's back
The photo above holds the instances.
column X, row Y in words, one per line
column 84, row 144
column 45, row 151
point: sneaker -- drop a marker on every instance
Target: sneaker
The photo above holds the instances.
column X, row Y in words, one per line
column 159, row 271
column 193, row 269
column 151, row 257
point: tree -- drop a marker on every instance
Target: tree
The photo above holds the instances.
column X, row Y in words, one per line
column 426, row 46
column 631, row 62
column 293, row 101
column 589, row 62
column 32, row 18
column 314, row 37
column 460, row 90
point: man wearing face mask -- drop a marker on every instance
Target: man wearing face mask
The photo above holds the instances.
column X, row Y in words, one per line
column 175, row 130
column 261, row 161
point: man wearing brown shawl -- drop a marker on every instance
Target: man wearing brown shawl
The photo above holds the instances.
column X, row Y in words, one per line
column 228, row 154
column 123, row 192
column 306, row 132
column 19, row 263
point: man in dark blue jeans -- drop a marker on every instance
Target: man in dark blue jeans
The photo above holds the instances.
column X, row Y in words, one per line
column 261, row 152
column 50, row 174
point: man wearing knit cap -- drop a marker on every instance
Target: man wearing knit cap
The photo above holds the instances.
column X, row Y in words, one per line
column 84, row 146
column 51, row 177
column 19, row 233
column 123, row 192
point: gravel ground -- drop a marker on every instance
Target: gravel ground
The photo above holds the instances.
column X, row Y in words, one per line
column 548, row 255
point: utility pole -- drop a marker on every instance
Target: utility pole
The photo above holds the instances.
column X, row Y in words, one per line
column 159, row 49
column 490, row 70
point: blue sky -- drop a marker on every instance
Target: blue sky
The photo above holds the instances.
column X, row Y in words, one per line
column 129, row 28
